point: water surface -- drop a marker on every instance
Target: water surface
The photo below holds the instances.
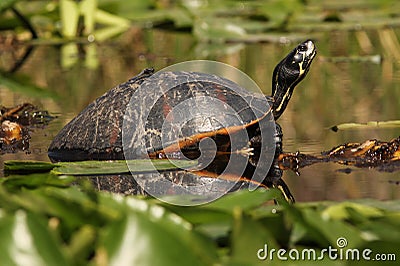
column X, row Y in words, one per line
column 346, row 83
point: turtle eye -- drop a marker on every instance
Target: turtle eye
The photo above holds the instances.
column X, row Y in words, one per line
column 303, row 48
column 298, row 58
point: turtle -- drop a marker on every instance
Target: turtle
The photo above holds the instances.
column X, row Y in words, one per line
column 136, row 119
column 96, row 132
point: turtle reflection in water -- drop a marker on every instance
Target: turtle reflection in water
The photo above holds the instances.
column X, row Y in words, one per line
column 96, row 133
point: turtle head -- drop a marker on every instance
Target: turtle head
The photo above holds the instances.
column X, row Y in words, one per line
column 288, row 73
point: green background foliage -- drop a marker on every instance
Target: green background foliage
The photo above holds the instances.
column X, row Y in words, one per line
column 46, row 221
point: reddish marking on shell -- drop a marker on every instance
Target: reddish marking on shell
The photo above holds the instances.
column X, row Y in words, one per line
column 114, row 133
column 167, row 109
column 220, row 93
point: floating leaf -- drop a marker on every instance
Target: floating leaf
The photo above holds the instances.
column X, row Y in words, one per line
column 20, row 166
column 96, row 167
column 119, row 167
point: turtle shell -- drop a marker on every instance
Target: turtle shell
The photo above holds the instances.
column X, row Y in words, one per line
column 174, row 111
column 165, row 111
column 96, row 132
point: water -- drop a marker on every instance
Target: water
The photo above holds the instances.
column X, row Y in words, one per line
column 337, row 89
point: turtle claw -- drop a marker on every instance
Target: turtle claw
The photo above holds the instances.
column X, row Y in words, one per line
column 245, row 151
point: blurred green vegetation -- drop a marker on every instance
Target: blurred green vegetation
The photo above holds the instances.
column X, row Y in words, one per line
column 226, row 20
column 44, row 220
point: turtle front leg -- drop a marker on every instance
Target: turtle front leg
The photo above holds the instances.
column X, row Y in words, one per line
column 278, row 140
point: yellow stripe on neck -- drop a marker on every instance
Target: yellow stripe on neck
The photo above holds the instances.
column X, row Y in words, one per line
column 301, row 69
column 287, row 95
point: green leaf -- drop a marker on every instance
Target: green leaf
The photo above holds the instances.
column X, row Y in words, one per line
column 72, row 205
column 69, row 13
column 273, row 219
column 180, row 17
column 212, row 50
column 106, row 18
column 90, row 168
column 279, row 11
column 88, row 9
column 82, row 241
column 4, row 4
column 21, row 166
column 36, row 180
column 393, row 205
column 248, row 237
column 96, row 167
column 150, row 235
column 214, row 223
column 332, row 230
column 105, row 33
column 379, row 230
column 199, row 215
column 128, row 9
column 217, row 29
column 26, row 240
column 340, row 211
column 243, row 199
column 384, row 249
column 119, row 167
column 302, row 230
